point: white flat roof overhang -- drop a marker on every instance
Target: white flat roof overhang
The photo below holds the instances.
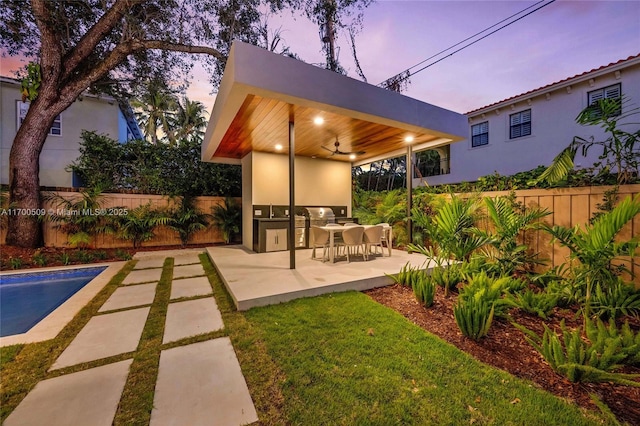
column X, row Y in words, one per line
column 262, row 92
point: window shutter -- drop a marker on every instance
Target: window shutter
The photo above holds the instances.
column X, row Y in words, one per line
column 526, row 116
column 612, row 92
column 480, row 128
column 515, row 119
column 595, row 96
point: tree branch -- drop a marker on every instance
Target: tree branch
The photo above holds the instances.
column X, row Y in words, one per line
column 90, row 40
column 177, row 47
column 50, row 58
column 120, row 53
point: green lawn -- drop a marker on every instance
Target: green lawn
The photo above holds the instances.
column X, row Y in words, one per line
column 337, row 359
column 348, row 360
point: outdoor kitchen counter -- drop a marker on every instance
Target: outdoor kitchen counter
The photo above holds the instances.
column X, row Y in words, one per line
column 271, row 234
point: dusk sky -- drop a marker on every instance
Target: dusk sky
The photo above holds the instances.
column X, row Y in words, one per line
column 560, row 40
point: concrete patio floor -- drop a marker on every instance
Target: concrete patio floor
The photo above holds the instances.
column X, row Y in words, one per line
column 259, row 279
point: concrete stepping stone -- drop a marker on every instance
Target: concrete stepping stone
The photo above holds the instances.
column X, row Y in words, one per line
column 187, row 271
column 190, row 287
column 143, row 276
column 190, row 318
column 202, row 384
column 153, row 262
column 104, row 336
column 88, row 397
column 129, row 297
column 186, row 259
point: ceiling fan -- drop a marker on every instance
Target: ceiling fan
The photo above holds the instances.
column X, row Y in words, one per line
column 338, row 152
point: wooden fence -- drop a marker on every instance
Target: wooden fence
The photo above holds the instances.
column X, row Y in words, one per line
column 570, row 207
column 164, row 236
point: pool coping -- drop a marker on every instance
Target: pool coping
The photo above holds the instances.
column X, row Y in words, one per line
column 52, row 324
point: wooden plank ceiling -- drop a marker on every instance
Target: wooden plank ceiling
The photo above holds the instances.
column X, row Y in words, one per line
column 262, row 123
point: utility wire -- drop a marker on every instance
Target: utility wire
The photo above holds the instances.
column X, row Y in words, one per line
column 408, row 70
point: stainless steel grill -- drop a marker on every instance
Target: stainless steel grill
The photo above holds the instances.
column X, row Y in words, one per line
column 300, row 223
column 319, row 216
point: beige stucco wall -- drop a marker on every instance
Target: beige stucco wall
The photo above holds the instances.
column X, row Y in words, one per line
column 318, row 182
column 100, row 115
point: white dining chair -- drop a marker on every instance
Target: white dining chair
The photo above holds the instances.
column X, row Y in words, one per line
column 352, row 241
column 319, row 239
column 385, row 231
column 372, row 238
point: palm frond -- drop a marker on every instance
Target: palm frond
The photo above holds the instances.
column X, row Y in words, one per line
column 560, row 167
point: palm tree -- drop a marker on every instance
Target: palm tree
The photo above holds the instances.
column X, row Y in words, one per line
column 595, row 247
column 187, row 219
column 82, row 218
column 155, row 110
column 227, row 217
column 190, row 121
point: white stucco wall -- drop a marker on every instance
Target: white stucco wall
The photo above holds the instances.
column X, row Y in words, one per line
column 59, row 151
column 553, row 128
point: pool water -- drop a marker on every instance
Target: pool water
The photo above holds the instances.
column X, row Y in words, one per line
column 27, row 298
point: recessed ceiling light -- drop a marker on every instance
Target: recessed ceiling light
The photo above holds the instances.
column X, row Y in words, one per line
column 278, row 147
column 318, row 121
column 408, row 138
column 352, row 156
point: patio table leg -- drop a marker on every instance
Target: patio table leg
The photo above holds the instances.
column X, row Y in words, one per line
column 332, row 246
column 390, row 240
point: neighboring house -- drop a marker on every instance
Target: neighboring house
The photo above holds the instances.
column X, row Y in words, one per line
column 101, row 114
column 528, row 130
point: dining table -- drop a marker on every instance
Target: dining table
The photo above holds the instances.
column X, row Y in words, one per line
column 333, row 230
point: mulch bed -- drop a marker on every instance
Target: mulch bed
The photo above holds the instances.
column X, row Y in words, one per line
column 505, row 347
column 54, row 255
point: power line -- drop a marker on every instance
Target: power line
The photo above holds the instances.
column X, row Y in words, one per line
column 407, row 73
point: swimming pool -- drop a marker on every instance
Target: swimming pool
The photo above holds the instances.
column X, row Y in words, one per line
column 27, row 298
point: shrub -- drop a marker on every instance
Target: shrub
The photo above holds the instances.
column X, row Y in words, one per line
column 579, row 360
column 122, row 254
column 82, row 220
column 227, row 217
column 540, row 304
column 100, row 254
column 65, row 258
column 452, row 230
column 445, row 273
column 630, row 341
column 39, row 259
column 424, row 288
column 187, row 219
column 84, row 256
column 474, row 316
column 15, row 262
column 616, row 300
column 481, row 286
column 153, row 168
column 479, row 301
column 139, row 224
column 594, row 247
column 510, row 221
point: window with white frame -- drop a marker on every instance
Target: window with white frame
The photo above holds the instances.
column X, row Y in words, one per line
column 480, row 134
column 23, row 107
column 520, row 124
column 610, row 92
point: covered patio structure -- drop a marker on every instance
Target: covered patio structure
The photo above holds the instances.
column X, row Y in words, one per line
column 297, row 130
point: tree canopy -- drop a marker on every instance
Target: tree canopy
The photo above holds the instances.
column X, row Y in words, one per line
column 112, row 47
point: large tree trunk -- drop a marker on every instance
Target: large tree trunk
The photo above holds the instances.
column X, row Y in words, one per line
column 24, row 228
